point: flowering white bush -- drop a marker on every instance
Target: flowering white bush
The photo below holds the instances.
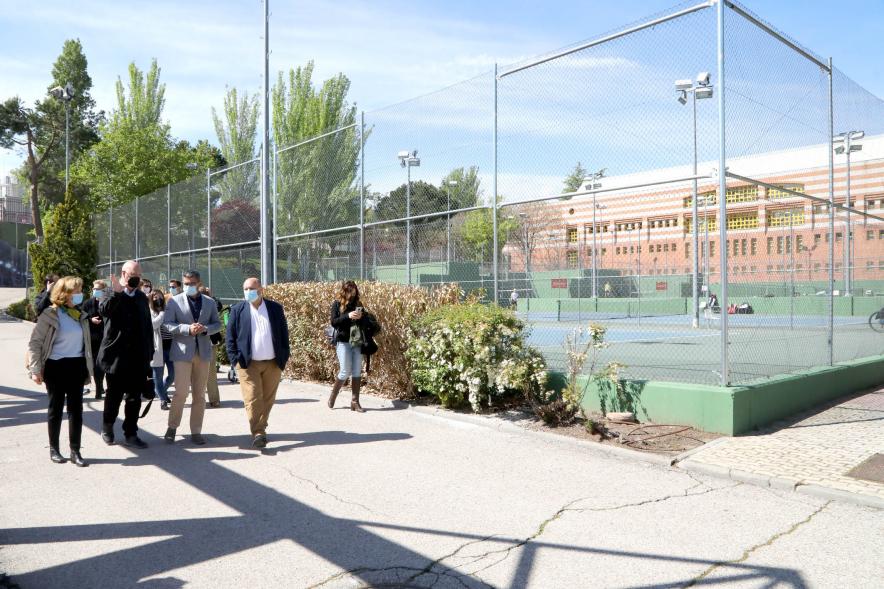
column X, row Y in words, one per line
column 473, row 353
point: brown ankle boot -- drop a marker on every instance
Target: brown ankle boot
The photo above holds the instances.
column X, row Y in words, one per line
column 334, row 393
column 354, row 403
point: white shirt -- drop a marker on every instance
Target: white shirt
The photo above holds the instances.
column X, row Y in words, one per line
column 262, row 340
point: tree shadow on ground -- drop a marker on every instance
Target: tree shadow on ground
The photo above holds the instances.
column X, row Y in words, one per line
column 264, row 515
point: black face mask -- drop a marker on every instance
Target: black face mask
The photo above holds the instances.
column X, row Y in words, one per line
column 133, row 281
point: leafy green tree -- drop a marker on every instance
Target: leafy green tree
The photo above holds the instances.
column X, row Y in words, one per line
column 238, row 189
column 463, row 185
column 137, row 153
column 71, row 68
column 425, row 198
column 37, row 131
column 574, row 181
column 476, row 233
column 70, row 247
column 316, row 181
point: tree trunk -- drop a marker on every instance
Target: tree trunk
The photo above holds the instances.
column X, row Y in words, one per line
column 35, row 203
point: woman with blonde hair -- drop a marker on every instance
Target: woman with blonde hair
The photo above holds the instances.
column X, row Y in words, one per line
column 347, row 319
column 60, row 355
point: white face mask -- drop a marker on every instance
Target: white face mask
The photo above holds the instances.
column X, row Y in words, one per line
column 145, row 289
column 190, row 290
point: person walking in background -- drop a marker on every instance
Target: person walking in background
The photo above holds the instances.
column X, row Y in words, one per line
column 191, row 318
column 96, row 332
column 126, row 352
column 258, row 344
column 157, row 315
column 60, row 355
column 514, row 300
column 347, row 319
column 212, row 392
column 42, row 300
column 174, row 288
column 146, row 286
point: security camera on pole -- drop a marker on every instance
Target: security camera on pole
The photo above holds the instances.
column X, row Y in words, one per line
column 699, row 91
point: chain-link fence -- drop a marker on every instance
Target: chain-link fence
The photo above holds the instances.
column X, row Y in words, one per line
column 585, row 185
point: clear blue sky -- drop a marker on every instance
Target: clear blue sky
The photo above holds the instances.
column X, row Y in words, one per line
column 392, row 51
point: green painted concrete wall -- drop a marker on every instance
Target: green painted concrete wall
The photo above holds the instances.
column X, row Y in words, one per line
column 732, row 410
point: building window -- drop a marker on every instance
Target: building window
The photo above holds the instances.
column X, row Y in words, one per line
column 770, row 267
column 754, row 246
column 701, row 224
column 617, row 250
column 780, row 244
column 817, row 238
column 785, row 217
column 776, row 193
column 770, row 245
column 881, row 234
column 743, row 246
column 743, row 221
column 687, row 250
column 870, row 234
column 711, row 248
column 572, row 259
column 870, row 265
column 838, row 237
column 572, row 234
column 816, row 267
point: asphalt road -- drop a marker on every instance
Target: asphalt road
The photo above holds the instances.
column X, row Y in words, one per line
column 391, row 498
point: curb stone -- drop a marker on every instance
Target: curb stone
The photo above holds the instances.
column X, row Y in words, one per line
column 505, row 426
column 839, row 495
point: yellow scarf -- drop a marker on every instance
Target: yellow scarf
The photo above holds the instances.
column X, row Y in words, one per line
column 72, row 313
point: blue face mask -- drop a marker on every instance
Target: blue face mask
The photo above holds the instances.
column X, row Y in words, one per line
column 251, row 295
column 77, row 298
column 190, row 290
column 173, row 290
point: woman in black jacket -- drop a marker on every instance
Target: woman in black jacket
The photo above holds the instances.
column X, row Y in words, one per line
column 346, row 313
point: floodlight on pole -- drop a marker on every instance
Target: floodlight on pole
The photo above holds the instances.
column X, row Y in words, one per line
column 591, row 184
column 66, row 94
column 844, row 144
column 702, row 90
column 408, row 160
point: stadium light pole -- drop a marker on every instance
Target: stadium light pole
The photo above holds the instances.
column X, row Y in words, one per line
column 591, row 184
column 844, row 143
column 699, row 91
column 448, row 185
column 408, row 159
column 66, row 94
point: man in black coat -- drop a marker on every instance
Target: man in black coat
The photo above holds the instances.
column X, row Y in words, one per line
column 42, row 302
column 126, row 352
column 258, row 347
column 96, row 330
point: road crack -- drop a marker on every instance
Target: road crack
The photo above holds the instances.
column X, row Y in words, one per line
column 324, row 492
column 749, row 551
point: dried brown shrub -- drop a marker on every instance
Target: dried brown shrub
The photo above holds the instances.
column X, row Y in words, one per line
column 307, row 308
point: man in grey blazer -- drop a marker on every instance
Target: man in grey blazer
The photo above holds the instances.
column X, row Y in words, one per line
column 191, row 318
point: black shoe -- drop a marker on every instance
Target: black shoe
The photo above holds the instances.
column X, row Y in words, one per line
column 134, row 442
column 108, row 436
column 170, row 435
column 56, row 457
column 164, row 405
column 77, row 460
column 260, row 441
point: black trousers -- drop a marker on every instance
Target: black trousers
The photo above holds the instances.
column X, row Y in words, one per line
column 120, row 387
column 64, row 379
column 97, row 373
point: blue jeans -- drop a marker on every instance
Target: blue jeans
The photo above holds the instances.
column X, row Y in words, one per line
column 350, row 360
column 170, row 370
column 159, row 386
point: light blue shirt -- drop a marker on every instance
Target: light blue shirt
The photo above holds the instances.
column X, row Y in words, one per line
column 69, row 338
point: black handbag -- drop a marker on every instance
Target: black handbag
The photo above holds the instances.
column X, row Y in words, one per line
column 148, row 394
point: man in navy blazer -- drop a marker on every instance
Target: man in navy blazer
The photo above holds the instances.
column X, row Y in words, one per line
column 258, row 346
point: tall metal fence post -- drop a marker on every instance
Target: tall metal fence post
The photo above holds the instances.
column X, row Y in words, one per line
column 209, row 225
column 494, row 209
column 274, row 202
column 722, row 196
column 831, row 318
column 168, row 232
column 362, row 196
column 266, row 249
column 110, row 238
column 137, row 248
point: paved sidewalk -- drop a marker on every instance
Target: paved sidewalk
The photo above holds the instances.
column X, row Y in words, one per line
column 815, row 451
column 392, row 498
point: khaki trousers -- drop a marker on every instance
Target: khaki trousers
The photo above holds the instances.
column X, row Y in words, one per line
column 190, row 376
column 259, row 383
column 212, row 384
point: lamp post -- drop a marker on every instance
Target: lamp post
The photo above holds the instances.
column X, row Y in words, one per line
column 593, row 185
column 844, row 143
column 699, row 91
column 408, row 159
column 66, row 94
column 448, row 185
